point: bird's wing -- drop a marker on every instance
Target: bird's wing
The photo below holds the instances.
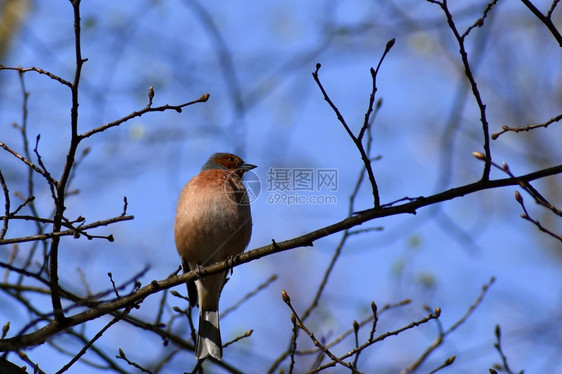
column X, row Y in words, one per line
column 191, row 289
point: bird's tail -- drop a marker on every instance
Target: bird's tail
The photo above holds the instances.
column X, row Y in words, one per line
column 209, row 339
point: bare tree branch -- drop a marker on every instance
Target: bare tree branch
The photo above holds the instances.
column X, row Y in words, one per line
column 527, row 128
column 547, row 20
column 138, row 113
column 470, row 75
column 30, row 275
column 443, row 334
column 40, row 71
column 539, row 199
column 30, row 164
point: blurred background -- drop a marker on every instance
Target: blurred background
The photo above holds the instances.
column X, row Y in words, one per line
column 255, row 59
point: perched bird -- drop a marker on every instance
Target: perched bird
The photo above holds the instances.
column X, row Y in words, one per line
column 213, row 222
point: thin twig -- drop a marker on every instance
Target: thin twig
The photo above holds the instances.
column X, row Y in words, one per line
column 527, row 128
column 40, row 71
column 357, row 141
column 371, row 319
column 546, row 19
column 293, row 344
column 138, row 113
column 448, row 362
column 92, row 341
column 498, row 347
column 551, row 9
column 36, row 168
column 316, row 342
column 432, row 316
column 537, row 196
column 113, row 285
column 249, row 295
column 443, row 334
column 5, row 219
column 72, row 232
column 470, row 75
column 30, row 181
column 526, row 216
column 245, row 335
column 122, row 356
column 36, row 370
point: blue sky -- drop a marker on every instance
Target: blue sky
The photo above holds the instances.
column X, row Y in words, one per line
column 273, row 48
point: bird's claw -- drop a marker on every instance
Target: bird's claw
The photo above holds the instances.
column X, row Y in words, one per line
column 198, row 270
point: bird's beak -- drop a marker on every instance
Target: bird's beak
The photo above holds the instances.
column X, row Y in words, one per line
column 247, row 167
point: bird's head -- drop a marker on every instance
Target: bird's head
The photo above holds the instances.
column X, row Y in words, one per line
column 227, row 161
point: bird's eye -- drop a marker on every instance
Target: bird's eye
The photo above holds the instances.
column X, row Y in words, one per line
column 230, row 158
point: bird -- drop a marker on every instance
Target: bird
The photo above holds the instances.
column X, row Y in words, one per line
column 213, row 222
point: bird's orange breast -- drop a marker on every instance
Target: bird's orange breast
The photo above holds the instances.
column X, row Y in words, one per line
column 212, row 223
